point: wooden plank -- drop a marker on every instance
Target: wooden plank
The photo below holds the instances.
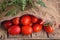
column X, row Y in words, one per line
column 20, row 36
column 39, row 35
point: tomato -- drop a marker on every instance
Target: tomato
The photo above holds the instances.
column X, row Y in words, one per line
column 14, row 30
column 40, row 21
column 7, row 24
column 26, row 20
column 16, row 20
column 48, row 29
column 31, row 24
column 37, row 27
column 34, row 19
column 26, row 30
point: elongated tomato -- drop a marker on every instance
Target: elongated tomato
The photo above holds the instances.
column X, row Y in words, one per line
column 26, row 20
column 16, row 20
column 7, row 24
column 14, row 30
column 26, row 30
column 37, row 27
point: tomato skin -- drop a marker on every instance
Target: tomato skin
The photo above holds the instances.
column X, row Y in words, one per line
column 26, row 20
column 48, row 29
column 14, row 30
column 16, row 20
column 26, row 30
column 34, row 19
column 7, row 24
column 37, row 27
column 40, row 21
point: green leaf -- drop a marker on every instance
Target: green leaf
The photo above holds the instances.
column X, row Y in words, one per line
column 41, row 3
column 13, row 0
column 3, row 7
column 31, row 2
column 10, row 3
column 15, row 12
column 10, row 12
column 0, row 4
column 23, row 4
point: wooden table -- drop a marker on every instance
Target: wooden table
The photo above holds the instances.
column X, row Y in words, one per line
column 51, row 13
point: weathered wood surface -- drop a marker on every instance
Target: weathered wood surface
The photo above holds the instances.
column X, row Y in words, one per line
column 51, row 13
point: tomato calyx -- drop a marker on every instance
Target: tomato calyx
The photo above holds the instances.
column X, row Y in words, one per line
column 47, row 24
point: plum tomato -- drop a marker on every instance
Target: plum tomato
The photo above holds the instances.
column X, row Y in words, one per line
column 16, row 20
column 14, row 30
column 7, row 24
column 48, row 29
column 34, row 19
column 37, row 27
column 26, row 20
column 26, row 30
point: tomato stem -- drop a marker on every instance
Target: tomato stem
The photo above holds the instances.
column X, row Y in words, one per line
column 47, row 24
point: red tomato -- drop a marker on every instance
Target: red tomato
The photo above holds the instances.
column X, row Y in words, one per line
column 40, row 21
column 16, row 20
column 14, row 30
column 34, row 19
column 27, row 30
column 37, row 27
column 26, row 20
column 7, row 24
column 31, row 24
column 48, row 29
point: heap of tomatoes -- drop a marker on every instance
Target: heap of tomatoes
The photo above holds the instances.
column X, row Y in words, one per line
column 26, row 24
